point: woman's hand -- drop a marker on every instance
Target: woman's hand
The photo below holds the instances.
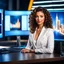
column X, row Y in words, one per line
column 33, row 51
column 25, row 50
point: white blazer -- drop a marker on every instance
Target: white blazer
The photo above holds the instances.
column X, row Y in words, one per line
column 44, row 43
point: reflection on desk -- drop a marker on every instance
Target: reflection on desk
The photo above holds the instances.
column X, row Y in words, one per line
column 25, row 58
column 4, row 47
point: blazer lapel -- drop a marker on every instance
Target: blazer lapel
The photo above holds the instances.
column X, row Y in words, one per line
column 43, row 32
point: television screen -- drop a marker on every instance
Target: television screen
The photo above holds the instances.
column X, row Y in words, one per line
column 1, row 23
column 58, row 23
column 16, row 23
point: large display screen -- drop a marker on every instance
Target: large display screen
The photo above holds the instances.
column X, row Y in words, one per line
column 1, row 23
column 58, row 23
column 16, row 23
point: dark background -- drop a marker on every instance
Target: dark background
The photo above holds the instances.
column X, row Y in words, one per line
column 14, row 4
column 23, row 4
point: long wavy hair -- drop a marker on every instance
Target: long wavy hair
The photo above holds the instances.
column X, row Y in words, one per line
column 32, row 21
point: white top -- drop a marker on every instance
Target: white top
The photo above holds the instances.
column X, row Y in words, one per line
column 44, row 43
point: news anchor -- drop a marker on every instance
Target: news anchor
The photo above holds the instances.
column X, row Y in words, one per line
column 41, row 37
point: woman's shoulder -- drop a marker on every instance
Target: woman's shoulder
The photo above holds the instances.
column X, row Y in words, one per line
column 30, row 33
column 49, row 30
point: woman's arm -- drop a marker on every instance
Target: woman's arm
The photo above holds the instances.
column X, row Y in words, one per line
column 29, row 45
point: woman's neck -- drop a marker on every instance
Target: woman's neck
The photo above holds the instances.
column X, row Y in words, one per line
column 40, row 26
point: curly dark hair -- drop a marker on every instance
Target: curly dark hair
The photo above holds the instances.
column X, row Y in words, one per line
column 32, row 21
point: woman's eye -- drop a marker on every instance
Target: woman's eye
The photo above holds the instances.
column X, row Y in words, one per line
column 36, row 16
column 41, row 16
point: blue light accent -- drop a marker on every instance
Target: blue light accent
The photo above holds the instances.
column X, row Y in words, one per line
column 15, row 13
column 55, row 10
column 1, row 23
column 16, row 33
column 1, row 10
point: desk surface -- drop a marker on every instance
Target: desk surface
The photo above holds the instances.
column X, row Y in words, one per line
column 24, row 58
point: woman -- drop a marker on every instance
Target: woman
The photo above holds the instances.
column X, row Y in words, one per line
column 41, row 38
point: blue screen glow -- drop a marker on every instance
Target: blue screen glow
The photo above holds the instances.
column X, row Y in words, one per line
column 1, row 23
column 16, row 23
column 58, row 24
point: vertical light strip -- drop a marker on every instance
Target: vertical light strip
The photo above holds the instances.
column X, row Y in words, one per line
column 30, row 4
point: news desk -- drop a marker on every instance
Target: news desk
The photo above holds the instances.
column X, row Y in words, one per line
column 30, row 58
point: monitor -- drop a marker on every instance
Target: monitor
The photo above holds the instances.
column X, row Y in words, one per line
column 12, row 18
column 16, row 23
column 58, row 23
column 1, row 23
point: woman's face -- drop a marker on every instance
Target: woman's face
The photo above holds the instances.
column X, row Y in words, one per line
column 40, row 18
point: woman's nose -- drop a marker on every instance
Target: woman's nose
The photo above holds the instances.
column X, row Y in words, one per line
column 38, row 18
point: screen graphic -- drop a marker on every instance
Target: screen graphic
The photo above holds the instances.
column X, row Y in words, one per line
column 58, row 24
column 17, row 23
